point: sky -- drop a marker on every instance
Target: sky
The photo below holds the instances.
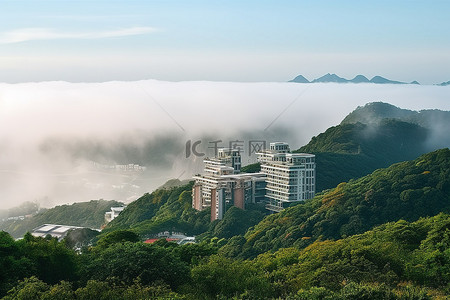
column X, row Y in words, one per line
column 247, row 41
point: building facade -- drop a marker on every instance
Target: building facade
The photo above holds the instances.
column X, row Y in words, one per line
column 290, row 177
column 114, row 213
column 285, row 178
column 222, row 184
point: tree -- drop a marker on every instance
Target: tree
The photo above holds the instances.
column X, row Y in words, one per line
column 51, row 261
column 125, row 262
column 118, row 236
column 28, row 289
column 224, row 277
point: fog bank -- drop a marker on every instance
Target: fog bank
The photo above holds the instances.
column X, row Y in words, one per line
column 64, row 142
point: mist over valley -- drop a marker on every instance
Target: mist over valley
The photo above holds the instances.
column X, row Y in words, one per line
column 69, row 142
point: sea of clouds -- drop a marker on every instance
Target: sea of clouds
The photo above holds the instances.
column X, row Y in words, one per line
column 55, row 135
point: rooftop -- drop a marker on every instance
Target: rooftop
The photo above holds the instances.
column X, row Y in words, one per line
column 57, row 231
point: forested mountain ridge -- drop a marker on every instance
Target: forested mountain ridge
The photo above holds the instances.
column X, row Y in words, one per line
column 374, row 136
column 387, row 256
column 371, row 137
column 407, row 190
column 23, row 209
column 398, row 260
column 375, row 112
column 84, row 214
column 349, row 151
column 390, row 138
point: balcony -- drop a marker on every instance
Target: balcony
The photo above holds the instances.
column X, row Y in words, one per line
column 274, row 208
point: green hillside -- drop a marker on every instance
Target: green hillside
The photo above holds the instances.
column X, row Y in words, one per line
column 398, row 260
column 377, row 111
column 393, row 261
column 171, row 209
column 163, row 209
column 353, row 150
column 23, row 209
column 375, row 136
column 407, row 190
column 85, row 214
column 388, row 138
column 383, row 236
column 251, row 168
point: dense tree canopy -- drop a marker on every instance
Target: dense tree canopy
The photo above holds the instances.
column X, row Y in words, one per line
column 352, row 150
column 407, row 190
column 47, row 259
column 164, row 209
column 398, row 260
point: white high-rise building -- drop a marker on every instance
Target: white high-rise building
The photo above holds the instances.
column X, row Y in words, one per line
column 290, row 177
column 284, row 178
column 222, row 184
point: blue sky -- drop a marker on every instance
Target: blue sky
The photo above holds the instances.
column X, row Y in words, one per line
column 223, row 40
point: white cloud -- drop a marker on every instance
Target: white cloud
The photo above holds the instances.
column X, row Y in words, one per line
column 50, row 130
column 34, row 34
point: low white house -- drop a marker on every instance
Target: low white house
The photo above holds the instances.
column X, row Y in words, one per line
column 57, row 231
column 115, row 211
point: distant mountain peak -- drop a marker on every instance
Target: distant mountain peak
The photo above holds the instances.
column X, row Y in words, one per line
column 444, row 83
column 330, row 78
column 358, row 79
column 300, row 79
column 382, row 80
